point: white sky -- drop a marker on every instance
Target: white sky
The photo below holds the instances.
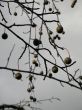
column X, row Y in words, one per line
column 12, row 91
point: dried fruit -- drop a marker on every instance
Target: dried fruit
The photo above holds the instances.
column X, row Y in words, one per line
column 50, row 75
column 30, row 78
column 29, row 89
column 67, row 60
column 50, row 9
column 34, row 99
column 59, row 29
column 4, row 36
column 46, row 2
column 15, row 13
column 31, row 97
column 36, row 64
column 54, row 69
column 34, row 61
column 40, row 33
column 36, row 42
column 18, row 76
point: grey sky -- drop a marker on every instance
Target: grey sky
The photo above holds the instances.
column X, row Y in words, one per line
column 12, row 91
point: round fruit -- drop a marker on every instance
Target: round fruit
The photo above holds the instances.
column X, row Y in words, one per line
column 50, row 9
column 34, row 61
column 67, row 60
column 50, row 75
column 54, row 69
column 30, row 78
column 40, row 33
column 45, row 2
column 34, row 99
column 36, row 64
column 4, row 36
column 59, row 29
column 18, row 76
column 80, row 77
column 15, row 13
column 31, row 97
column 29, row 90
column 36, row 42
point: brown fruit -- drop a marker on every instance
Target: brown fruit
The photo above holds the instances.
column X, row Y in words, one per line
column 54, row 69
column 50, row 75
column 59, row 29
column 36, row 42
column 34, row 61
column 50, row 9
column 40, row 33
column 36, row 64
column 34, row 99
column 4, row 36
column 46, row 2
column 30, row 78
column 29, row 90
column 67, row 60
column 31, row 97
column 18, row 76
column 15, row 13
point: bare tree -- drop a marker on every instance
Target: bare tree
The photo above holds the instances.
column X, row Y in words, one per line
column 41, row 20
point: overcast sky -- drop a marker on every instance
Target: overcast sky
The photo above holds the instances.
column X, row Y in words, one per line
column 12, row 91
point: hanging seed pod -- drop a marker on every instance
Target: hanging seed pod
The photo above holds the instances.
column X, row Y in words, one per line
column 15, row 13
column 36, row 42
column 36, row 64
column 4, row 36
column 18, row 76
column 59, row 29
column 54, row 69
column 31, row 97
column 30, row 78
column 29, row 90
column 34, row 61
column 34, row 99
column 67, row 60
column 73, row 3
column 50, row 75
column 46, row 2
column 50, row 9
column 40, row 33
